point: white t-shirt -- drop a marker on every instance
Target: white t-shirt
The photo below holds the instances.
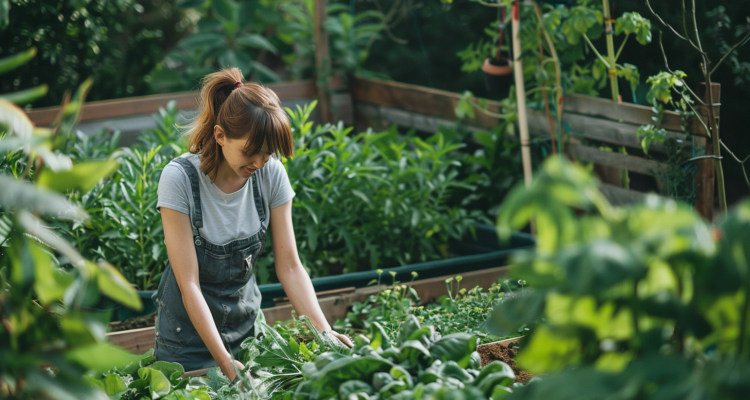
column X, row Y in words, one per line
column 226, row 216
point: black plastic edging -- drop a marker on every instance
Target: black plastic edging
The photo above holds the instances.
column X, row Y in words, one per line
column 488, row 258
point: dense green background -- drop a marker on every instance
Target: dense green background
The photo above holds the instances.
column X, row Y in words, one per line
column 119, row 42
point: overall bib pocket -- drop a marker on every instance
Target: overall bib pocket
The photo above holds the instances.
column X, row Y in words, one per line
column 249, row 256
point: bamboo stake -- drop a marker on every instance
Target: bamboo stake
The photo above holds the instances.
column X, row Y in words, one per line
column 523, row 124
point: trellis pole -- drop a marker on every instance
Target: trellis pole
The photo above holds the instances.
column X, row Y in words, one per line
column 523, row 123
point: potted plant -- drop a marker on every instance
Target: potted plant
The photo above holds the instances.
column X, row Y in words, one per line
column 498, row 69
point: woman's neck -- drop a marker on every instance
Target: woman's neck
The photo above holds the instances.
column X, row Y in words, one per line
column 227, row 179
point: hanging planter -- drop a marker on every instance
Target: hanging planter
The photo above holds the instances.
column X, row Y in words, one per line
column 498, row 74
column 498, row 70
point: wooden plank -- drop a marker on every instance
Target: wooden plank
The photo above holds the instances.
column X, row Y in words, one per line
column 197, row 372
column 616, row 133
column 381, row 117
column 322, row 61
column 150, row 104
column 618, row 196
column 417, row 99
column 612, row 159
column 138, row 341
column 705, row 177
column 625, row 112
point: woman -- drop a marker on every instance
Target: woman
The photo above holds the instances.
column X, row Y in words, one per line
column 216, row 203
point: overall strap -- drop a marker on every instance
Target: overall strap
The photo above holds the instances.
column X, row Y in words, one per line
column 259, row 208
column 192, row 172
column 258, row 198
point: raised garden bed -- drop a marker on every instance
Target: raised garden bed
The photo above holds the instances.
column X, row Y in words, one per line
column 137, row 341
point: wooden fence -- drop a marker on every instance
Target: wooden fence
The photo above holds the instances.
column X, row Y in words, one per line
column 590, row 122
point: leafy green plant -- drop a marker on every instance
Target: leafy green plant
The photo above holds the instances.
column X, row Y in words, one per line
column 466, row 310
column 414, row 365
column 41, row 303
column 643, row 301
column 279, row 360
column 117, row 42
column 362, row 191
column 147, row 378
column 125, row 227
column 389, row 307
column 350, row 37
column 229, row 34
column 460, row 311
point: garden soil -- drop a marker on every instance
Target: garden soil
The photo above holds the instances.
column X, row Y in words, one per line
column 134, row 323
column 506, row 353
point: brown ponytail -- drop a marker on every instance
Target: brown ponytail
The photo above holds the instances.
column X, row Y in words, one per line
column 246, row 110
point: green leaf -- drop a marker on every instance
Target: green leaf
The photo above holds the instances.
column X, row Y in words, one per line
column 597, row 266
column 114, row 385
column 113, row 285
column 12, row 62
column 408, row 328
column 353, row 387
column 257, row 42
column 4, row 11
column 18, row 195
column 201, row 39
column 171, row 370
column 158, row 384
column 500, row 374
column 510, row 315
column 100, row 357
column 413, row 351
column 455, row 347
column 83, row 176
column 51, row 282
column 71, row 112
column 450, row 369
column 14, row 120
column 379, row 338
column 26, row 96
column 349, row 368
column 224, row 9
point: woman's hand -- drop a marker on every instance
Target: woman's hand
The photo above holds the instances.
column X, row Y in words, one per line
column 229, row 371
column 342, row 338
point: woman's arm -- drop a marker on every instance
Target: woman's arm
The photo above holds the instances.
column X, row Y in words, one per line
column 181, row 251
column 292, row 274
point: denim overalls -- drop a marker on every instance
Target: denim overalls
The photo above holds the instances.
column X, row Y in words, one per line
column 228, row 285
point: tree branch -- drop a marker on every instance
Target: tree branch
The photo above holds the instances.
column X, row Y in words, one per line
column 622, row 46
column 695, row 26
column 744, row 39
column 685, row 28
column 596, row 51
column 648, row 3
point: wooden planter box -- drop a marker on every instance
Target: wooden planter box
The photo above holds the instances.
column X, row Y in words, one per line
column 334, row 305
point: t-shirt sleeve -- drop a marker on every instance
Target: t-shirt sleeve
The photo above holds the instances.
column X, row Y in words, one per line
column 173, row 191
column 280, row 189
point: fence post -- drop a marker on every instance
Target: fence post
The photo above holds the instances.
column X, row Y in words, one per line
column 322, row 63
column 705, row 177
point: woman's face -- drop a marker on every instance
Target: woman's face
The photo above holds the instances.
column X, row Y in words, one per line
column 242, row 163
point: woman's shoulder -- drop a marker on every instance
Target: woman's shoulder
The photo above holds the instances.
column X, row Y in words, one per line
column 273, row 169
column 194, row 159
